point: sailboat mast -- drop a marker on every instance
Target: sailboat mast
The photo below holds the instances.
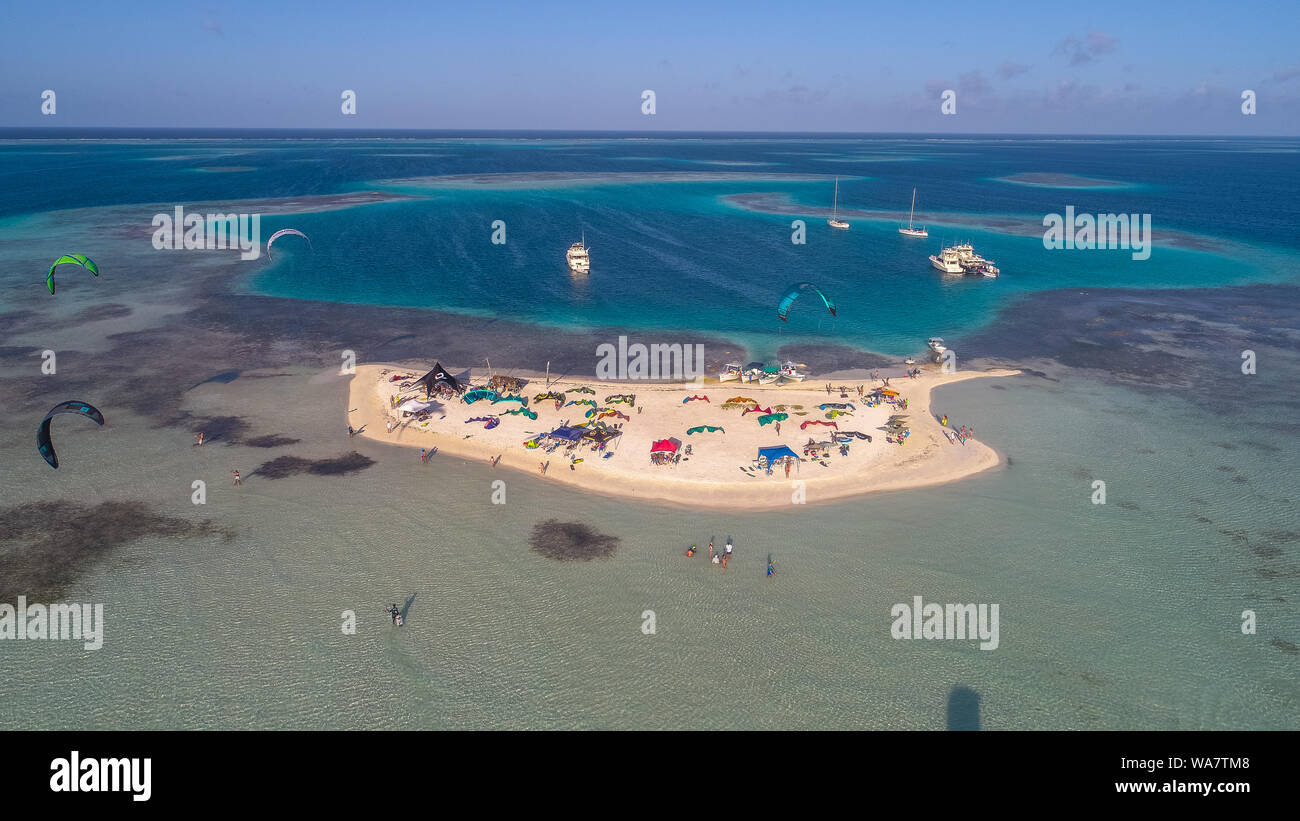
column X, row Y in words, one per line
column 913, row 211
column 836, row 204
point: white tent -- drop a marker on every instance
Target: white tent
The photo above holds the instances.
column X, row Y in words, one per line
column 415, row 406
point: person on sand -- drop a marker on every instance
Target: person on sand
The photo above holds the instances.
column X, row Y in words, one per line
column 351, row 432
column 778, row 428
column 787, row 468
column 390, row 425
column 238, row 480
column 424, row 457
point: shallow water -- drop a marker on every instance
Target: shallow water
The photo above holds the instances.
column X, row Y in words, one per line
column 1120, row 616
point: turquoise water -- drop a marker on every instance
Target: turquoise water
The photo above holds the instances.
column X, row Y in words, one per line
column 1117, row 616
column 1124, row 615
column 681, row 255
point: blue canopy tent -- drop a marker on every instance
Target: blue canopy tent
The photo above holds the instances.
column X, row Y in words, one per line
column 775, row 453
column 568, row 433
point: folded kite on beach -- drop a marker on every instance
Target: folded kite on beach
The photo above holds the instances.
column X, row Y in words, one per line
column 591, row 402
column 837, row 405
column 703, row 429
column 583, row 389
column 492, row 421
column 773, row 417
column 521, row 412
column 755, row 409
column 742, row 400
column 804, row 425
column 473, row 396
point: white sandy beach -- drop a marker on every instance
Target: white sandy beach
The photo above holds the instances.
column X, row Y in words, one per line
column 714, row 473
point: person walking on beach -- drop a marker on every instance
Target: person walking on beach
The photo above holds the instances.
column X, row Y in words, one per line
column 778, row 428
column 238, row 480
column 351, row 432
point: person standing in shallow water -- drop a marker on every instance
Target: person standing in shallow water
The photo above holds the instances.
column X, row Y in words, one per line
column 238, row 480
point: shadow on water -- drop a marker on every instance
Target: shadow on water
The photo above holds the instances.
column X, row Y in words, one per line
column 406, row 607
column 963, row 709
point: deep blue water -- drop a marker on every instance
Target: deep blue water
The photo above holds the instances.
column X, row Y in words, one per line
column 679, row 255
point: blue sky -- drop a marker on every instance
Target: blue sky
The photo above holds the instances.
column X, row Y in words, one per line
column 1092, row 67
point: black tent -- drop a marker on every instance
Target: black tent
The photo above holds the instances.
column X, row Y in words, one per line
column 438, row 380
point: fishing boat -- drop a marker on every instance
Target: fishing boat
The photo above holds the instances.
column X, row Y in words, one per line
column 936, row 344
column 909, row 230
column 577, row 256
column 730, row 372
column 834, row 221
column 974, row 264
column 947, row 261
column 770, row 374
column 791, row 371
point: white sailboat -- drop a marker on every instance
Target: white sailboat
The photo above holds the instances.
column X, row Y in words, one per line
column 909, row 230
column 834, row 221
